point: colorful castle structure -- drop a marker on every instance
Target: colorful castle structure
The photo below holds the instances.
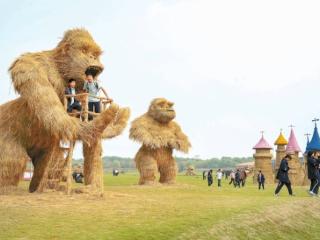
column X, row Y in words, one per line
column 262, row 160
column 296, row 173
column 313, row 145
column 281, row 143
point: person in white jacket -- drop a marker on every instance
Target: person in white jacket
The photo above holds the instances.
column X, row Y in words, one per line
column 219, row 177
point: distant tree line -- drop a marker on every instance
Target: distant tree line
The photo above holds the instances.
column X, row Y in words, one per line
column 223, row 162
column 110, row 162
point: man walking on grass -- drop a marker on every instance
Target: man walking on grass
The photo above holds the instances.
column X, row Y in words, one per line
column 313, row 172
column 261, row 180
column 283, row 176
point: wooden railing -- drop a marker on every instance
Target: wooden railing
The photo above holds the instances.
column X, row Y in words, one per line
column 83, row 99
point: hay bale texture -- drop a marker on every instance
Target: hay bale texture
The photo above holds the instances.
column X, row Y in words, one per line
column 262, row 161
column 32, row 125
column 159, row 135
column 297, row 172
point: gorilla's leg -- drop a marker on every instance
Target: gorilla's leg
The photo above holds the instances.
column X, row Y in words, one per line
column 13, row 159
column 147, row 167
column 48, row 165
column 40, row 159
column 56, row 167
column 168, row 171
column 92, row 150
column 93, row 167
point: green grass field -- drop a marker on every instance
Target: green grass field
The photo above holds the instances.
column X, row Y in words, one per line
column 187, row 210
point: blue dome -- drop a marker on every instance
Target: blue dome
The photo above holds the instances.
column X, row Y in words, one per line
column 314, row 144
column 308, row 142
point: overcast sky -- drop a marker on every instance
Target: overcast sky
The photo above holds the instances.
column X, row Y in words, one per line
column 233, row 68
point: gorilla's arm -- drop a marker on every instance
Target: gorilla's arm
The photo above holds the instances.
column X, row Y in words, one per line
column 143, row 130
column 182, row 142
column 31, row 81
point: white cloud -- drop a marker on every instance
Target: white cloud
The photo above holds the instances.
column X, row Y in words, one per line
column 253, row 45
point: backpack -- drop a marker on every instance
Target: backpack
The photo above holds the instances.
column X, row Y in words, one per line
column 95, row 84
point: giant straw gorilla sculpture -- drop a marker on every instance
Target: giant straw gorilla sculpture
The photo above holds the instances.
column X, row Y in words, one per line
column 159, row 135
column 33, row 125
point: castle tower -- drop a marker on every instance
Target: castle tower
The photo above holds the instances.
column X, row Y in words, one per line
column 281, row 143
column 262, row 160
column 313, row 145
column 296, row 173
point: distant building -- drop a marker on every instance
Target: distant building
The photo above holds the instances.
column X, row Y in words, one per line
column 281, row 143
column 262, row 160
column 296, row 173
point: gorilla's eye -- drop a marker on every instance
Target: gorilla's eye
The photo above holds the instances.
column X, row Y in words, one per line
column 85, row 49
column 162, row 105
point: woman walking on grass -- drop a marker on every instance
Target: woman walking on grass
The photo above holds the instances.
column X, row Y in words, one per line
column 210, row 178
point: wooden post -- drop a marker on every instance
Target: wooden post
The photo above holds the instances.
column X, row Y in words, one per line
column 85, row 109
column 69, row 168
column 93, row 166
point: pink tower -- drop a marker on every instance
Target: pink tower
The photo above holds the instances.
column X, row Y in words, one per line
column 262, row 160
column 296, row 173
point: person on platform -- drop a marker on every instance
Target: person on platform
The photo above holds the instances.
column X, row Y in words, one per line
column 93, row 87
column 72, row 103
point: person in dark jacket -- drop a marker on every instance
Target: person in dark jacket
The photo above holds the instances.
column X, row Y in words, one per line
column 210, row 178
column 237, row 178
column 313, row 172
column 283, row 176
column 260, row 180
column 73, row 103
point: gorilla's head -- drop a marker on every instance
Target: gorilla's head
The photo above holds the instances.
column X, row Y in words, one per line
column 161, row 110
column 77, row 54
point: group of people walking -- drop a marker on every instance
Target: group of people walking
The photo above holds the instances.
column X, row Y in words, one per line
column 313, row 163
column 209, row 177
column 235, row 178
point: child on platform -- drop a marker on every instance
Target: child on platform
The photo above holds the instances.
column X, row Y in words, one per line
column 93, row 87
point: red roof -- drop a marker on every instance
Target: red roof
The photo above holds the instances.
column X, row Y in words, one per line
column 262, row 144
column 293, row 145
